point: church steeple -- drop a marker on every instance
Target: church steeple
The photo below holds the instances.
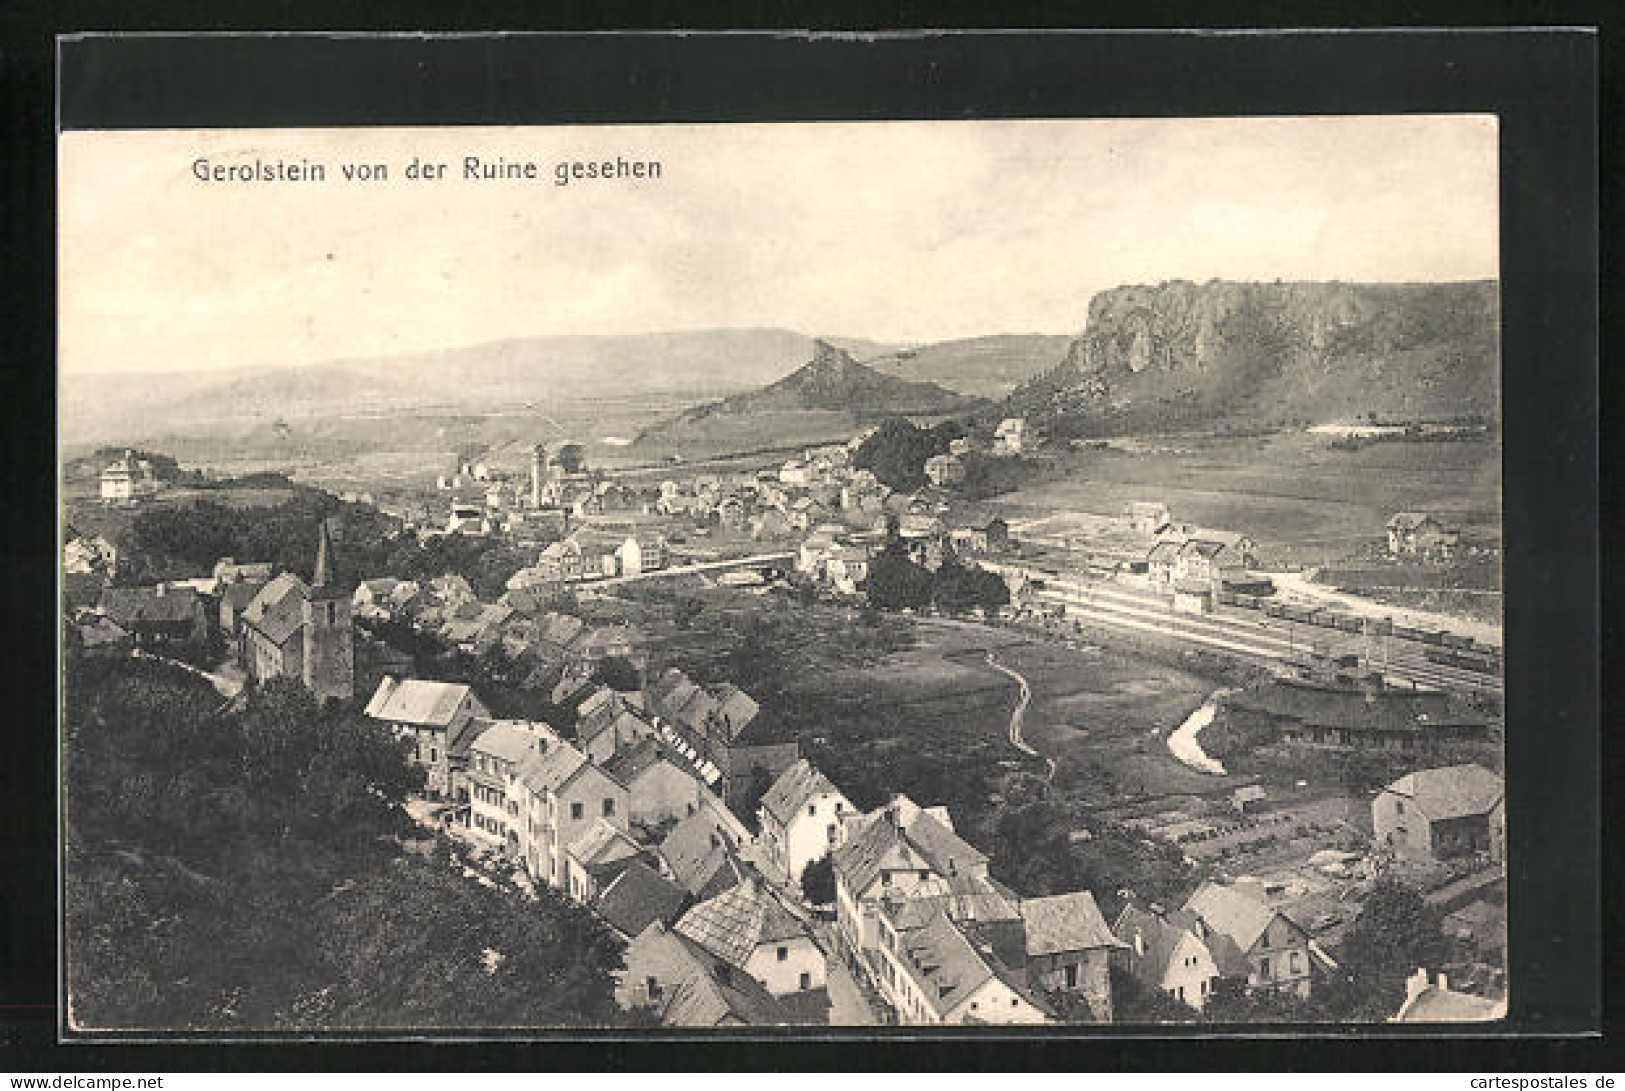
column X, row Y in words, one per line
column 325, row 581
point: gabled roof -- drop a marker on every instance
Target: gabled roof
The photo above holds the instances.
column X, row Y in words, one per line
column 134, row 605
column 791, row 791
column 417, row 701
column 278, row 610
column 509, row 740
column 599, row 841
column 1410, row 520
column 901, row 823
column 732, row 925
column 715, row 994
column 944, row 963
column 700, row 855
column 626, row 766
column 548, row 772
column 1454, row 791
column 1231, row 913
column 1065, row 922
column 638, row 897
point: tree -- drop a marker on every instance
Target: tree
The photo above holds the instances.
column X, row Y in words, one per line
column 895, row 582
column 1135, row 1002
column 897, row 451
column 571, row 458
column 818, row 880
column 686, row 611
column 1231, row 1001
column 1396, row 933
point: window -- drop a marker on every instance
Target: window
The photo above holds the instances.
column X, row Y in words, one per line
column 885, row 878
column 829, row 832
column 434, row 754
column 1263, row 967
column 812, row 808
column 1182, row 992
column 1264, row 940
column 1072, row 975
column 784, row 953
column 1399, row 806
column 609, row 807
column 1292, row 961
column 805, row 981
column 575, row 810
column 652, row 985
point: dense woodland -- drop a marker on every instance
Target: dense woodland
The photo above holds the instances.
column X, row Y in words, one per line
column 255, row 868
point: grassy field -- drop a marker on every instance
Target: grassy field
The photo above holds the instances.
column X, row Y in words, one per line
column 1300, row 499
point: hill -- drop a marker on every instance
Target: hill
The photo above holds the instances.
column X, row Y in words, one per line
column 531, row 373
column 827, row 398
column 984, row 367
column 1179, row 355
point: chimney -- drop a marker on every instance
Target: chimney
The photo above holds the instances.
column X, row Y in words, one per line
column 1417, row 984
column 1444, row 982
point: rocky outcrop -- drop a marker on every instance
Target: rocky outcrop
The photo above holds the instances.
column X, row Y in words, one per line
column 1181, row 353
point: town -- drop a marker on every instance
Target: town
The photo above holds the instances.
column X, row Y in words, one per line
column 821, row 738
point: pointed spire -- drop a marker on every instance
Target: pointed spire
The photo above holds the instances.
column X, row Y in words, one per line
column 326, row 576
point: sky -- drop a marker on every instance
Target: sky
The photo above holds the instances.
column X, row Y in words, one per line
column 893, row 231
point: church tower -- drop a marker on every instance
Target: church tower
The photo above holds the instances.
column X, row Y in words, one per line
column 329, row 666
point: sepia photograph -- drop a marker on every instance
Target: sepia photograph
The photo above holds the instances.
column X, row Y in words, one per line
column 884, row 574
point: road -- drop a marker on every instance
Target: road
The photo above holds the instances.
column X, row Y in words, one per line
column 689, row 569
column 227, row 687
column 1242, row 633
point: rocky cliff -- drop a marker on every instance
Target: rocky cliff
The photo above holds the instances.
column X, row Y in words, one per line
column 1181, row 354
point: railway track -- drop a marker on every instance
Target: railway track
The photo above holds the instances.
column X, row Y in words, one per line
column 1275, row 641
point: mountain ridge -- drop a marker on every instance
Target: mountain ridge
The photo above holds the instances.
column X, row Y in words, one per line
column 1180, row 354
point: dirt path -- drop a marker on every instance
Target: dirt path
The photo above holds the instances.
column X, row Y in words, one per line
column 1018, row 715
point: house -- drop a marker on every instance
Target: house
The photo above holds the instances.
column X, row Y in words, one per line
column 1069, row 947
column 608, row 723
column 234, row 600
column 702, row 853
column 800, row 821
column 640, row 553
column 496, row 750
column 686, row 986
column 754, row 930
column 90, row 554
column 637, row 896
column 769, row 523
column 1165, row 951
column 1279, row 953
column 1010, row 437
column 1148, row 517
column 228, row 571
column 128, row 479
column 561, row 561
column 944, row 470
column 1438, row 814
column 846, row 568
column 659, row 783
column 901, row 850
column 156, row 618
column 597, row 857
column 1418, row 534
column 102, row 636
column 563, row 795
column 1248, row 799
column 437, row 717
column 718, row 730
column 374, row 598
column 943, row 969
column 82, row 590
column 1436, row 1002
column 451, row 590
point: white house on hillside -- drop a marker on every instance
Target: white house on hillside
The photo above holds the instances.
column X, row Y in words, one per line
column 800, row 819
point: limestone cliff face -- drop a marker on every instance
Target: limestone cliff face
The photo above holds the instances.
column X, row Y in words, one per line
column 1227, row 350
